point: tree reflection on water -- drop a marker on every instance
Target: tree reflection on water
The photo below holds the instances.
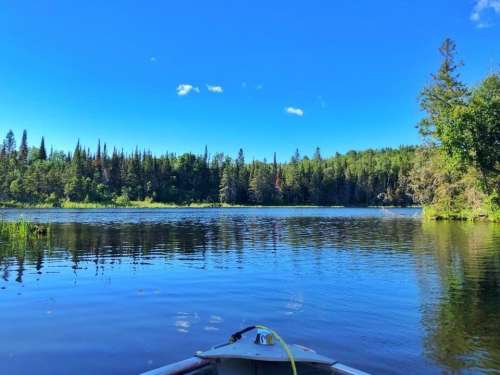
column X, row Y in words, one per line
column 462, row 321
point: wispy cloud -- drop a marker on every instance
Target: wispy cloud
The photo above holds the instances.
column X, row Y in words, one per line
column 216, row 89
column 322, row 102
column 294, row 111
column 249, row 85
column 153, row 59
column 185, row 88
column 480, row 8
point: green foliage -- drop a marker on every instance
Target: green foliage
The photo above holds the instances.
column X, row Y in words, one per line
column 457, row 175
column 473, row 137
column 123, row 199
column 372, row 177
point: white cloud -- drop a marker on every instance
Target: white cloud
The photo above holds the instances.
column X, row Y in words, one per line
column 294, row 111
column 184, row 88
column 216, row 89
column 480, row 8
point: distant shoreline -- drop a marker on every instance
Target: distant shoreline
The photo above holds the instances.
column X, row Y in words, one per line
column 428, row 213
column 159, row 205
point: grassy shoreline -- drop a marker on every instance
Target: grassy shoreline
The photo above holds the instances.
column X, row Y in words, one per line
column 149, row 204
column 431, row 213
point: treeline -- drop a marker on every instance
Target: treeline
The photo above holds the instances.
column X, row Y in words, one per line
column 33, row 175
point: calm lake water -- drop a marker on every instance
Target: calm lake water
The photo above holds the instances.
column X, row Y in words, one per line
column 123, row 291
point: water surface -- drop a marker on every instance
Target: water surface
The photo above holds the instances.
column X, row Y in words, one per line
column 123, row 291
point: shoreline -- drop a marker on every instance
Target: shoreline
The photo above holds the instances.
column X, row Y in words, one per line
column 159, row 205
column 428, row 212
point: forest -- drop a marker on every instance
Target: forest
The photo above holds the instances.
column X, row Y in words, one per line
column 454, row 173
column 33, row 175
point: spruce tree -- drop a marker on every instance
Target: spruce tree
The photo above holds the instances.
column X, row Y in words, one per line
column 10, row 143
column 42, row 153
column 23, row 148
column 317, row 154
column 98, row 152
column 205, row 156
column 241, row 178
column 445, row 92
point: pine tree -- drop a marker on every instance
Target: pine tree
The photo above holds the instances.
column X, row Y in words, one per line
column 98, row 153
column 275, row 165
column 42, row 153
column 115, row 173
column 98, row 164
column 317, row 154
column 261, row 184
column 10, row 143
column 228, row 185
column 241, row 178
column 205, row 156
column 23, row 148
column 444, row 93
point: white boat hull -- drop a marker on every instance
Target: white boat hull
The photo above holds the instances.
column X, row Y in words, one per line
column 241, row 356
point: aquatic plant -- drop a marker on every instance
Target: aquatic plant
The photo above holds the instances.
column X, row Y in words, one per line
column 22, row 229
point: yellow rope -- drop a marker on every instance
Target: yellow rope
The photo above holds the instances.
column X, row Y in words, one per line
column 284, row 345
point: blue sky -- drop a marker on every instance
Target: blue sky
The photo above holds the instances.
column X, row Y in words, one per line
column 263, row 75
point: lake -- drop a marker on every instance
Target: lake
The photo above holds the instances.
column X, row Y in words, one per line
column 122, row 291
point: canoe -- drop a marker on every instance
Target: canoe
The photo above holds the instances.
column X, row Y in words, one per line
column 266, row 354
